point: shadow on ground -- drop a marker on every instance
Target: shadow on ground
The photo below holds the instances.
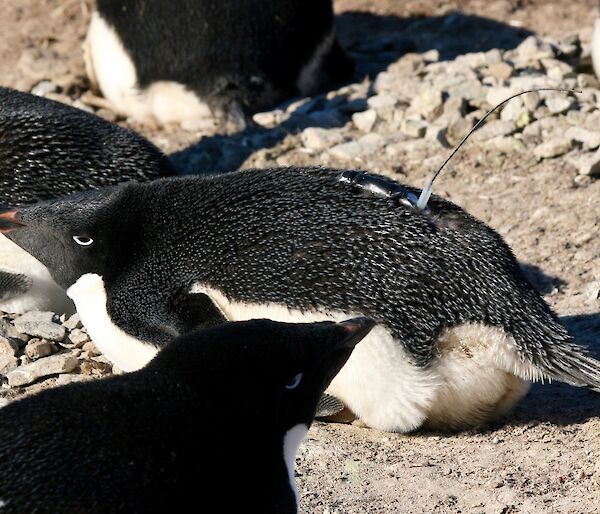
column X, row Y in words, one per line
column 558, row 403
column 374, row 41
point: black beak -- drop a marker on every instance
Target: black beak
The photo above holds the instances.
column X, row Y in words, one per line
column 9, row 222
column 354, row 330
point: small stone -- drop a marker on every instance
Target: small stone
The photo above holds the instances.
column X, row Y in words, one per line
column 507, row 144
column 95, row 368
column 523, row 120
column 40, row 324
column 365, row 120
column 8, row 363
column 65, row 379
column 38, row 348
column 589, row 139
column 269, row 119
column 382, row 102
column 78, row 337
column 558, row 105
column 413, row 128
column 7, row 329
column 317, row 138
column 494, row 128
column 585, row 80
column 454, row 108
column 428, row 105
column 73, row 322
column 531, row 100
column 553, row 148
column 458, row 129
column 500, row 70
column 90, row 348
column 557, row 70
column 352, row 150
column 59, row 363
column 588, row 165
column 512, row 110
column 43, row 88
column 8, row 346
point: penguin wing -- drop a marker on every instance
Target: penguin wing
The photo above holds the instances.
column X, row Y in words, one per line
column 13, row 284
column 197, row 310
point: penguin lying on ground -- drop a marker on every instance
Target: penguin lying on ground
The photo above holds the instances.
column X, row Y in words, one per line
column 460, row 329
column 48, row 149
column 184, row 60
column 168, row 437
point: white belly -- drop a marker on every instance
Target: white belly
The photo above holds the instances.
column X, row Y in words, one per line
column 111, row 70
column 381, row 385
column 44, row 294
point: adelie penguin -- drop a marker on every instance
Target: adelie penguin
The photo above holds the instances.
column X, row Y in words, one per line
column 185, row 60
column 178, row 435
column 48, row 149
column 460, row 330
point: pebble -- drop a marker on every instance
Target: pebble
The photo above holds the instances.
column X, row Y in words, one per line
column 52, row 365
column 365, row 121
column 588, row 165
column 558, row 105
column 40, row 324
column 500, row 70
column 73, row 322
column 8, row 346
column 414, row 128
column 317, row 138
column 37, row 348
column 590, row 139
column 553, row 148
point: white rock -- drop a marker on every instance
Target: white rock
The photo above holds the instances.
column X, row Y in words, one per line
column 558, row 105
column 59, row 363
column 317, row 138
column 588, row 165
column 553, row 148
column 382, row 102
column 413, row 128
column 365, row 120
column 590, row 140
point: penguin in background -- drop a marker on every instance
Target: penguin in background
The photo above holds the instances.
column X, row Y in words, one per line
column 215, row 419
column 185, row 60
column 596, row 42
column 460, row 331
column 48, row 149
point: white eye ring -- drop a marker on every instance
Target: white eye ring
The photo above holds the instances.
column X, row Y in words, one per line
column 83, row 240
column 295, row 383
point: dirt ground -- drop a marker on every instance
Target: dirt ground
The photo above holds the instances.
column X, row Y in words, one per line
column 542, row 458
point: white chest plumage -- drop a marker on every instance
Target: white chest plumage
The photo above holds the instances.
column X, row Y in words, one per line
column 127, row 352
column 44, row 293
column 291, row 443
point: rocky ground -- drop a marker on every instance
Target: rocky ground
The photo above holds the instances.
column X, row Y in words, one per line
column 426, row 74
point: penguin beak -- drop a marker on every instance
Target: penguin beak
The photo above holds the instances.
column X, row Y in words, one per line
column 354, row 330
column 9, row 222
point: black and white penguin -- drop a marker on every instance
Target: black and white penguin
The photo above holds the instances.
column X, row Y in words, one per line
column 460, row 329
column 595, row 49
column 175, row 435
column 48, row 149
column 184, row 60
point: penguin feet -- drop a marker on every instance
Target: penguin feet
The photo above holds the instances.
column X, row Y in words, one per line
column 333, row 410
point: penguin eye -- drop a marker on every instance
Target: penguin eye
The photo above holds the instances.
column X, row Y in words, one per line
column 295, row 382
column 83, row 240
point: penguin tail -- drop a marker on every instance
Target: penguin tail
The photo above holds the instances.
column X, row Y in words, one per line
column 554, row 355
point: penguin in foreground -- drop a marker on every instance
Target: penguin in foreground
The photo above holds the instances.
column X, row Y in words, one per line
column 185, row 60
column 48, row 149
column 460, row 331
column 181, row 431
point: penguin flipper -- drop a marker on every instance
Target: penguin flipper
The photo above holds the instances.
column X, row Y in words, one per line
column 13, row 284
column 197, row 310
column 333, row 409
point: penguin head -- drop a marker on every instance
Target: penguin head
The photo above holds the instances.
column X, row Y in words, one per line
column 265, row 371
column 78, row 234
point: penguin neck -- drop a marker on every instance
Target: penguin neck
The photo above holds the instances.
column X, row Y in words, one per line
column 291, row 443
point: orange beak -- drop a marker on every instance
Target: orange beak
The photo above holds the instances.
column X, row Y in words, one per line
column 9, row 222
